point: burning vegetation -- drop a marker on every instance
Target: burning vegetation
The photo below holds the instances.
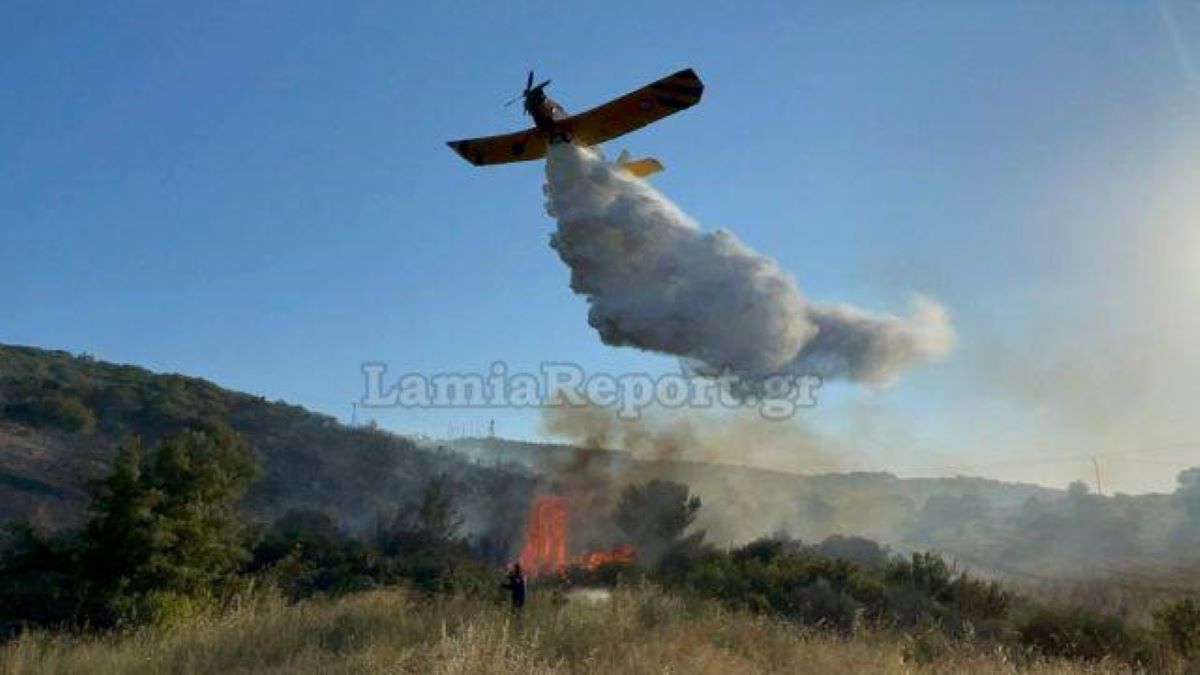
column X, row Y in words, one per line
column 545, row 549
column 547, row 541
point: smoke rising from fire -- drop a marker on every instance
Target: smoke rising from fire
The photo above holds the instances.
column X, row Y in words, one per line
column 678, row 447
column 733, row 438
column 655, row 281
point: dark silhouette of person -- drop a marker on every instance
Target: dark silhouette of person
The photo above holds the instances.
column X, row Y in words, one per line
column 515, row 585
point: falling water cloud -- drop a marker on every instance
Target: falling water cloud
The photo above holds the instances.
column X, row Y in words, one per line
column 654, row 280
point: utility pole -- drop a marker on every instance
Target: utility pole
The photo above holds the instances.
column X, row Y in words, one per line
column 1096, row 465
column 353, row 413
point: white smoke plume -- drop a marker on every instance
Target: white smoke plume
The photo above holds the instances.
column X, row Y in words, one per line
column 655, row 281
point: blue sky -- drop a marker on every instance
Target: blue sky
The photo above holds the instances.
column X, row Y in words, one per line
column 259, row 194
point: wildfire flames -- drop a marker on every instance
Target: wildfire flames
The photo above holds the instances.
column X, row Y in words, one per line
column 617, row 554
column 545, row 550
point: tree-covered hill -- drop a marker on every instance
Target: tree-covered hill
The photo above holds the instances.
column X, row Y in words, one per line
column 62, row 416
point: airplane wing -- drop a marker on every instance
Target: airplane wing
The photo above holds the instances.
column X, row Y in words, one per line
column 636, row 109
column 516, row 147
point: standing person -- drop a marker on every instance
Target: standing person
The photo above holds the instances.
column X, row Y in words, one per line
column 515, row 585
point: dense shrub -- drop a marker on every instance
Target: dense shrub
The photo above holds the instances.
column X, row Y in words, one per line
column 39, row 580
column 305, row 552
column 924, row 588
column 64, row 413
column 1179, row 625
column 857, row 550
column 1076, row 633
column 823, row 605
column 808, row 585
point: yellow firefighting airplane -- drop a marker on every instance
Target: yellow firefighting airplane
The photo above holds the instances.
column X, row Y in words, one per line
column 552, row 124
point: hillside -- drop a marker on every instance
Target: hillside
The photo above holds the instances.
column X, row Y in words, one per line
column 62, row 416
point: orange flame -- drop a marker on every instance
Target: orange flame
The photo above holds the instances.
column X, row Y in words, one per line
column 545, row 548
column 618, row 554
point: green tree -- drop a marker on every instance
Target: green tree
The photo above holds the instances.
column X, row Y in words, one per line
column 166, row 525
column 423, row 545
column 197, row 478
column 437, row 513
column 432, row 521
column 655, row 516
column 118, row 536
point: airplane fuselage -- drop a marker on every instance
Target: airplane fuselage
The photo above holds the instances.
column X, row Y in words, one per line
column 544, row 110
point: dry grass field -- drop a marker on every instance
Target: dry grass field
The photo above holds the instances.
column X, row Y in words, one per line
column 631, row 631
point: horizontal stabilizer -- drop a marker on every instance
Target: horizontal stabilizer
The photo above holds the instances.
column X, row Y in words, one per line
column 642, row 167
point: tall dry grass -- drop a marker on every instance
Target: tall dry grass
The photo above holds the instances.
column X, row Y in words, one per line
column 632, row 631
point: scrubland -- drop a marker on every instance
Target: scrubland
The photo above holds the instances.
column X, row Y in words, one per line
column 634, row 630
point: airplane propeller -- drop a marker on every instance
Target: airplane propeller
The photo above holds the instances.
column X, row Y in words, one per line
column 529, row 89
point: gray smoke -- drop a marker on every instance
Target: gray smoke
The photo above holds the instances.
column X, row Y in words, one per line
column 655, row 281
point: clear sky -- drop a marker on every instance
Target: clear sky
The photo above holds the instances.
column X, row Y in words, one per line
column 259, row 194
